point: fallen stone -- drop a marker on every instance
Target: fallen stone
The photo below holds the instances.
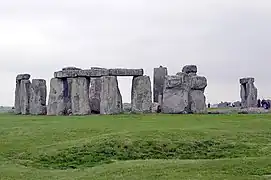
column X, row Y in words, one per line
column 190, row 69
column 38, row 96
column 197, row 102
column 111, row 99
column 25, row 96
column 126, row 72
column 253, row 110
column 80, row 96
column 23, row 77
column 159, row 75
column 175, row 96
column 94, row 94
column 56, row 104
column 141, row 96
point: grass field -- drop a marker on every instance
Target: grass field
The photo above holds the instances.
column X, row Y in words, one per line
column 135, row 147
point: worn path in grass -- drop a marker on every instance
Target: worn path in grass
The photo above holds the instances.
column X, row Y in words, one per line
column 136, row 147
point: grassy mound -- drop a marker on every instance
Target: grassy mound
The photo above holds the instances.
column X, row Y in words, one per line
column 135, row 147
column 110, row 149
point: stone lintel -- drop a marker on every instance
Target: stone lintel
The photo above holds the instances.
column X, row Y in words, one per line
column 98, row 72
column 247, row 80
column 22, row 77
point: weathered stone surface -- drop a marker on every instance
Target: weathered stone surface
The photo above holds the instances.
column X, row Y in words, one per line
column 24, row 96
column 175, row 96
column 190, row 69
column 23, row 77
column 126, row 72
column 156, row 107
column 81, row 73
column 198, row 83
column 141, row 96
column 17, row 104
column 197, row 101
column 38, row 96
column 94, row 94
column 111, row 99
column 80, row 96
column 67, row 87
column 70, row 68
column 182, row 80
column 248, row 93
column 247, row 80
column 56, row 104
column 159, row 75
column 127, row 108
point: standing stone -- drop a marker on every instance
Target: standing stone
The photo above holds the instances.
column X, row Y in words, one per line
column 67, row 83
column 158, row 82
column 248, row 93
column 197, row 101
column 175, row 96
column 95, row 90
column 141, row 96
column 38, row 96
column 80, row 96
column 25, row 96
column 17, row 105
column 111, row 99
column 94, row 94
column 56, row 104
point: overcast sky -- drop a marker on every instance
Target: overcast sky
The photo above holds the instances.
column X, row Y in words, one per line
column 226, row 39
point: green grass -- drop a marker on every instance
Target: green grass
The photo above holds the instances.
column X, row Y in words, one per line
column 135, row 147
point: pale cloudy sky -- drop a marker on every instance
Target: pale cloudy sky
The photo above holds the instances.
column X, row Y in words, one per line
column 226, row 39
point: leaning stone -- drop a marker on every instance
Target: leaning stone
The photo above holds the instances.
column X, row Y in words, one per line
column 111, row 99
column 126, row 72
column 25, row 96
column 23, row 77
column 94, row 94
column 56, row 104
column 197, row 102
column 38, row 96
column 159, row 75
column 190, row 69
column 17, row 105
column 198, row 82
column 80, row 96
column 141, row 96
column 175, row 96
